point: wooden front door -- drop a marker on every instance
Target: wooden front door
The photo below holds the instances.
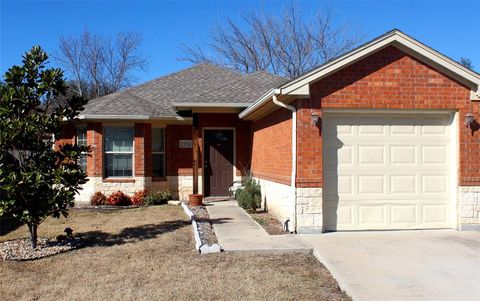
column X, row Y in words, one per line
column 218, row 162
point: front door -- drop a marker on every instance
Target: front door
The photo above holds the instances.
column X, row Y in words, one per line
column 218, row 162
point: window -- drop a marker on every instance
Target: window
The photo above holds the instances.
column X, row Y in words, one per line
column 118, row 151
column 82, row 141
column 158, row 152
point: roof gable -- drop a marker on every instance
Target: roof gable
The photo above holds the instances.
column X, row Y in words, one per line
column 299, row 87
column 394, row 38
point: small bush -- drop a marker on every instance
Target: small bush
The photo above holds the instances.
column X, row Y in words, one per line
column 119, row 199
column 139, row 197
column 158, row 198
column 98, row 199
column 250, row 197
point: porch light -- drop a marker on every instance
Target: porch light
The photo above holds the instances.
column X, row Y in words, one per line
column 469, row 118
column 315, row 118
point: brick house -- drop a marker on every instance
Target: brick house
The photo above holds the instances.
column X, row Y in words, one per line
column 375, row 139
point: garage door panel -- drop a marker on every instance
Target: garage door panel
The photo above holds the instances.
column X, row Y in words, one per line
column 371, row 127
column 434, row 154
column 434, row 214
column 404, row 214
column 403, row 184
column 434, row 184
column 371, row 154
column 400, row 129
column 387, row 173
column 372, row 214
column 403, row 155
column 371, row 184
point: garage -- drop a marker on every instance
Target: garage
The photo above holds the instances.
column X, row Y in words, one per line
column 389, row 170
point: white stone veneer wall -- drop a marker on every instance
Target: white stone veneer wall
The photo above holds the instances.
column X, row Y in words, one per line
column 309, row 210
column 469, row 207
column 179, row 186
column 277, row 198
column 95, row 184
column 182, row 186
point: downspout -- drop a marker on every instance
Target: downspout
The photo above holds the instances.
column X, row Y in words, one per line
column 294, row 154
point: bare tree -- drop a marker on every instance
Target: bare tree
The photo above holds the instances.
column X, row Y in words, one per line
column 466, row 62
column 288, row 45
column 101, row 65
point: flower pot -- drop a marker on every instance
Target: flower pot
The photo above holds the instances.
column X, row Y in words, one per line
column 195, row 199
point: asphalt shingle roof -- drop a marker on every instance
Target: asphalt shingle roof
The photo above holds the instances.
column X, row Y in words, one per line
column 204, row 83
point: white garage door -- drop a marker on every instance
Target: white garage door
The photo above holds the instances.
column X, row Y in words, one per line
column 387, row 171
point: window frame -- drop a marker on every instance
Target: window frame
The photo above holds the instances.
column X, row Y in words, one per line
column 84, row 143
column 105, row 152
column 164, row 171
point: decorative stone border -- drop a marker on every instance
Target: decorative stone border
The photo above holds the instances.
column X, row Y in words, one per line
column 199, row 245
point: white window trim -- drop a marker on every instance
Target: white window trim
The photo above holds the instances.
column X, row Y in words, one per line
column 86, row 143
column 132, row 152
column 160, row 153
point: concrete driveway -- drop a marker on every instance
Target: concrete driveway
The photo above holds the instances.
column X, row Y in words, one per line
column 402, row 265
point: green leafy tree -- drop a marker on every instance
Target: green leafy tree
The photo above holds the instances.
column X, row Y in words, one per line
column 37, row 181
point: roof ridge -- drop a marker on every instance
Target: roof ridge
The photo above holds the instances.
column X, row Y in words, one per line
column 222, row 85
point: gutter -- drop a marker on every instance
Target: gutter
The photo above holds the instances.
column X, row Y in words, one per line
column 129, row 117
column 275, row 100
column 260, row 102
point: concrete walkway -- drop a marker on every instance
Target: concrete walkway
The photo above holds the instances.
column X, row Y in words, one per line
column 402, row 265
column 238, row 232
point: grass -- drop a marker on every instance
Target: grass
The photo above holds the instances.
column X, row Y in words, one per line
column 147, row 254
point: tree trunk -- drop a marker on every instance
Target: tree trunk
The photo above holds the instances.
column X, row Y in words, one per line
column 32, row 228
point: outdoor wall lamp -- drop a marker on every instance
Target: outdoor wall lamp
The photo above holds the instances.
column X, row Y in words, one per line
column 315, row 118
column 469, row 119
column 471, row 123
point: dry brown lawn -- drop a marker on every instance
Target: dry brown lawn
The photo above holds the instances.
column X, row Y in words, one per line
column 147, row 254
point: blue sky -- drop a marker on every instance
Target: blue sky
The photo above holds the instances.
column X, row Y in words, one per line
column 451, row 27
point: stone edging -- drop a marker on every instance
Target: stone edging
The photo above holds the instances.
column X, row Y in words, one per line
column 199, row 246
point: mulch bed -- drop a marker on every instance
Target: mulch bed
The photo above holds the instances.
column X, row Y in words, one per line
column 268, row 222
column 103, row 207
column 21, row 249
column 205, row 228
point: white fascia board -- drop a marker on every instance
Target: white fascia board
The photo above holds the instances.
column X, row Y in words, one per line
column 211, row 105
column 437, row 57
column 130, row 117
column 115, row 117
column 258, row 103
column 475, row 96
column 302, row 91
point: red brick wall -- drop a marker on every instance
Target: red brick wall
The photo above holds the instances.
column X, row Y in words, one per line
column 309, row 146
column 272, row 147
column 95, row 139
column 178, row 160
column 388, row 79
column 242, row 132
column 143, row 149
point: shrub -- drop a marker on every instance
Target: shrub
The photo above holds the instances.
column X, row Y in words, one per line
column 158, row 198
column 98, row 199
column 139, row 197
column 119, row 199
column 250, row 197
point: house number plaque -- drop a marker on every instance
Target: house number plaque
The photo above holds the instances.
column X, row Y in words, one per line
column 185, row 143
